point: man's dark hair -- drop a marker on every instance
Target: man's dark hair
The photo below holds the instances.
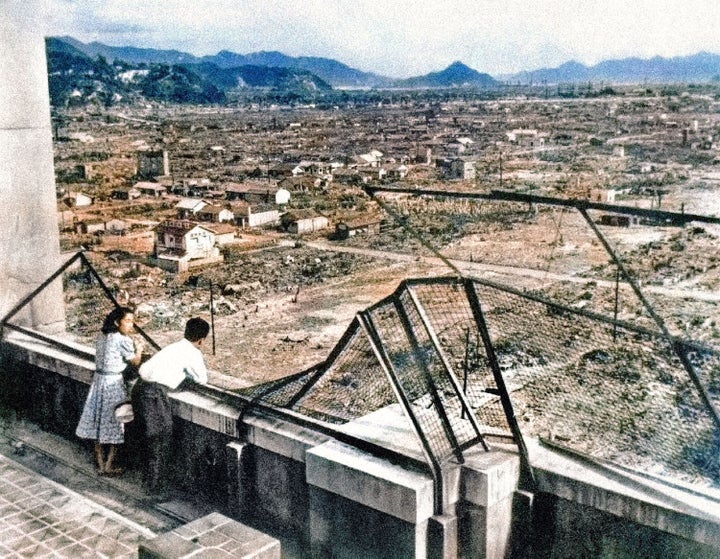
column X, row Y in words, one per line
column 112, row 320
column 196, row 329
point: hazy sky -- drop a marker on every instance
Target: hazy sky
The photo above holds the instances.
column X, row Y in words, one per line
column 396, row 38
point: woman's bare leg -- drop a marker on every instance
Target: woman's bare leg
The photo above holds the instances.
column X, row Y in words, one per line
column 99, row 457
column 110, row 468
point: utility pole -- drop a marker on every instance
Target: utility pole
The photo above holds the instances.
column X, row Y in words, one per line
column 501, row 170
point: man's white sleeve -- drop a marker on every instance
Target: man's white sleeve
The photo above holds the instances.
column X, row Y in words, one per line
column 196, row 368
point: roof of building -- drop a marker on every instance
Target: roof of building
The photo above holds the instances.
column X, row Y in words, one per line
column 179, row 226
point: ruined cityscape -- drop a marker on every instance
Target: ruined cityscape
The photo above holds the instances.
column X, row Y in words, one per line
column 286, row 212
column 447, row 315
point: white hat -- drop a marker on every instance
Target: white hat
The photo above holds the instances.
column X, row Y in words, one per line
column 124, row 413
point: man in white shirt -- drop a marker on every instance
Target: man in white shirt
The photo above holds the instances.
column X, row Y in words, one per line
column 176, row 364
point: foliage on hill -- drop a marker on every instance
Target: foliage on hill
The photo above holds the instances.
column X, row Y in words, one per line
column 76, row 78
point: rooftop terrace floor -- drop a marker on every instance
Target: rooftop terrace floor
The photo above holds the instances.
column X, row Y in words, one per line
column 54, row 504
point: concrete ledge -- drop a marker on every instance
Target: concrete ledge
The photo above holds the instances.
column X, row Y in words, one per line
column 207, row 412
column 51, row 358
column 371, row 481
column 665, row 507
column 280, row 437
column 213, row 535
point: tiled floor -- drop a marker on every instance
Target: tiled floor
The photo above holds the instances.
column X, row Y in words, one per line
column 40, row 518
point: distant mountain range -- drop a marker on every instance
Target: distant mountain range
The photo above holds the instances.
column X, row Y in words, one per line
column 697, row 68
column 83, row 71
column 331, row 71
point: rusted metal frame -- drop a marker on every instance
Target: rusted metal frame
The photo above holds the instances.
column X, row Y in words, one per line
column 368, row 326
column 504, row 394
column 447, row 367
column 407, row 283
column 306, row 422
column 110, row 296
column 81, row 256
column 17, row 308
column 565, row 309
column 325, row 365
column 434, row 394
column 313, row 378
column 466, row 366
column 442, row 280
column 679, row 348
column 507, row 196
column 52, row 341
column 274, row 386
column 414, row 233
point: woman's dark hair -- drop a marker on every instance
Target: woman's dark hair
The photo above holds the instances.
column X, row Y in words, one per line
column 112, row 320
column 196, row 329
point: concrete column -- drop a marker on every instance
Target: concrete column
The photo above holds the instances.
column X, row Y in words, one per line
column 489, row 480
column 442, row 537
column 29, row 236
column 366, row 506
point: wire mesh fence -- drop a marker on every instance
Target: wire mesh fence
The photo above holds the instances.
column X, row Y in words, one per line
column 603, row 388
column 353, row 385
column 610, row 385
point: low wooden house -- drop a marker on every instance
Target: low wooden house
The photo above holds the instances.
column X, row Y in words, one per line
column 225, row 233
column 183, row 244
column 78, row 200
column 188, row 207
column 215, row 214
column 302, row 222
column 150, row 189
column 358, row 226
column 255, row 215
column 90, row 227
column 251, row 192
column 125, row 193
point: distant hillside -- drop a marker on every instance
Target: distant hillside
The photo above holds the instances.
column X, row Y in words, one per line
column 101, row 73
column 132, row 55
column 329, row 71
column 76, row 77
column 701, row 67
column 258, row 76
column 455, row 75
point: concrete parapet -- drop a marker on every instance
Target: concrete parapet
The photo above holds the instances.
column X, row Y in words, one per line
column 44, row 356
column 206, row 411
column 280, row 437
column 238, row 488
column 340, row 528
column 442, row 537
column 213, row 535
column 637, row 498
column 338, row 500
column 489, row 481
column 371, row 481
column 362, row 505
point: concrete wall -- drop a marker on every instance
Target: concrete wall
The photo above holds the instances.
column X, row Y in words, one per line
column 567, row 530
column 276, row 474
column 30, row 246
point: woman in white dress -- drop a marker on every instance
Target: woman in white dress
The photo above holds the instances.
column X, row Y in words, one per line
column 114, row 351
